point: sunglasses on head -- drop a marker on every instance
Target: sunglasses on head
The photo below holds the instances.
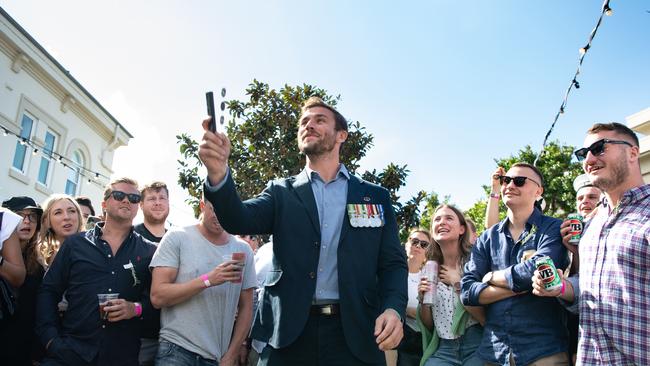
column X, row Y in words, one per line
column 420, row 243
column 519, row 180
column 597, row 148
column 119, row 196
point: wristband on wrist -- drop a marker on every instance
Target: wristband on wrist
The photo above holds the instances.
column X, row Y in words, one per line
column 206, row 281
column 495, row 196
column 138, row 308
column 563, row 288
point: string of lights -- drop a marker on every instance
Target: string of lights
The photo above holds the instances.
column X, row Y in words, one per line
column 605, row 10
column 88, row 175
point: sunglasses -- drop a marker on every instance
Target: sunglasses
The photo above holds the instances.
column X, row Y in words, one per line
column 31, row 216
column 519, row 181
column 119, row 196
column 598, row 148
column 420, row 243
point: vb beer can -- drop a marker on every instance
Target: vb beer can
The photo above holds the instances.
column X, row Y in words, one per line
column 547, row 271
column 576, row 225
column 430, row 271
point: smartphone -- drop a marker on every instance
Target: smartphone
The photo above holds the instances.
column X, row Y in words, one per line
column 209, row 99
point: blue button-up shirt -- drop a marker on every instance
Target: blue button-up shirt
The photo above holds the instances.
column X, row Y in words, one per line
column 330, row 200
column 528, row 326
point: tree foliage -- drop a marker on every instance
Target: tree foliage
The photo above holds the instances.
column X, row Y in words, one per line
column 263, row 134
column 558, row 170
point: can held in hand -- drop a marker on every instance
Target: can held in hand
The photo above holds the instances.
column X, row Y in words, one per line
column 430, row 271
column 576, row 224
column 547, row 271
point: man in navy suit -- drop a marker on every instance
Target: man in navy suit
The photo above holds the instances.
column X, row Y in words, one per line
column 336, row 292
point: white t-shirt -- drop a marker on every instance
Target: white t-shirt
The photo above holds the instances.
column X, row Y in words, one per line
column 413, row 281
column 204, row 323
column 10, row 222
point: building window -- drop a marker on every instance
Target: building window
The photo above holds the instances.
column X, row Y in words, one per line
column 21, row 149
column 46, row 159
column 72, row 183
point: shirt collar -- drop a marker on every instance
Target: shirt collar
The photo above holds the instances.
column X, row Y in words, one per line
column 534, row 219
column 343, row 172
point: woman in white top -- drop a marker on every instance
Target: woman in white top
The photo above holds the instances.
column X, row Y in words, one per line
column 417, row 252
column 451, row 331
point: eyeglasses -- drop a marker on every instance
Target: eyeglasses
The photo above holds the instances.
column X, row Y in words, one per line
column 119, row 196
column 519, row 181
column 420, row 243
column 598, row 148
column 31, row 216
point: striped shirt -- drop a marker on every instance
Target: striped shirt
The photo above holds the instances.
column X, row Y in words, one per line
column 615, row 284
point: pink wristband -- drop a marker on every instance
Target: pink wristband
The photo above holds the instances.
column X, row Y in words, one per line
column 206, row 280
column 138, row 308
column 563, row 288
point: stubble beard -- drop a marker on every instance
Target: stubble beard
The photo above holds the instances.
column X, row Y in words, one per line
column 320, row 148
column 620, row 172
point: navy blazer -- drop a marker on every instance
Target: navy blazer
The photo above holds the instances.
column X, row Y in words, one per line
column 372, row 269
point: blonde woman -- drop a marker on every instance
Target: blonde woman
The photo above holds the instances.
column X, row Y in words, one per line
column 61, row 218
column 451, row 332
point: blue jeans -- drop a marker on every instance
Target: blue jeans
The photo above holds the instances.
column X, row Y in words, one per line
column 170, row 354
column 459, row 352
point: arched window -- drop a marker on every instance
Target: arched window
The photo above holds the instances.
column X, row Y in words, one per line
column 74, row 176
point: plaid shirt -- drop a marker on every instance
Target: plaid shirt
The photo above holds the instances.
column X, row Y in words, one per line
column 615, row 284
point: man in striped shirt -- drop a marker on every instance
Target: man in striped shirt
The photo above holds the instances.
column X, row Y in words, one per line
column 615, row 253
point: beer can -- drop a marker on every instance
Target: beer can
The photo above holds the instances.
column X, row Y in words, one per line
column 576, row 225
column 547, row 271
column 430, row 271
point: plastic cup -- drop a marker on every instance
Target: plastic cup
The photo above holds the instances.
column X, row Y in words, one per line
column 240, row 257
column 105, row 300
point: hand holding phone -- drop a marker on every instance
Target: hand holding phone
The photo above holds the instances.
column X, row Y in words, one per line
column 209, row 99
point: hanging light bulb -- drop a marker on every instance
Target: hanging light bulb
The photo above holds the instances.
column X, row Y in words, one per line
column 96, row 175
column 35, row 151
column 5, row 132
column 576, row 83
column 584, row 49
column 608, row 10
column 23, row 141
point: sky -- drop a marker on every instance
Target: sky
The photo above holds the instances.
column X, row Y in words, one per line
column 445, row 87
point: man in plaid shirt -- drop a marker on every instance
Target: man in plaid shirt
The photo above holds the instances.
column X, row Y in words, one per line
column 614, row 253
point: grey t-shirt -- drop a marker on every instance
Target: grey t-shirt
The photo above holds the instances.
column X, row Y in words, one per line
column 204, row 323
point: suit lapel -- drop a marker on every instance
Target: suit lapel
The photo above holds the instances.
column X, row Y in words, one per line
column 303, row 190
column 356, row 189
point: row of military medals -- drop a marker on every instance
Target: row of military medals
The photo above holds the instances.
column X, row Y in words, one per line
column 366, row 215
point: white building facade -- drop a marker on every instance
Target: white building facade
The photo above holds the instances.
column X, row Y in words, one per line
column 640, row 123
column 57, row 137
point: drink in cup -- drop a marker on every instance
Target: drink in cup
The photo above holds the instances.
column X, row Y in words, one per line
column 430, row 272
column 105, row 300
column 240, row 257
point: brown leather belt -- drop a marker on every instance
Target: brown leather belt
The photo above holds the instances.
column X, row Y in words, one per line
column 328, row 309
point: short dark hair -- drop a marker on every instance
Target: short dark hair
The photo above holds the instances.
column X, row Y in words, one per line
column 340, row 123
column 109, row 186
column 153, row 186
column 533, row 168
column 85, row 201
column 619, row 128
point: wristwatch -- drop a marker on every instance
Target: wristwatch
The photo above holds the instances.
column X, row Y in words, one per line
column 487, row 278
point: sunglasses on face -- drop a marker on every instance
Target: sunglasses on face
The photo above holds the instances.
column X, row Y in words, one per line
column 519, row 180
column 119, row 196
column 597, row 148
column 31, row 216
column 420, row 243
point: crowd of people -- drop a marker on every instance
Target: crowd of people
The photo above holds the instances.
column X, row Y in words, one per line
column 334, row 286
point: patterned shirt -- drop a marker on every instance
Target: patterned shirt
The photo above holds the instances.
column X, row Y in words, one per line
column 615, row 284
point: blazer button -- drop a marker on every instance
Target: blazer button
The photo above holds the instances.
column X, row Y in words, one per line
column 312, row 275
column 316, row 243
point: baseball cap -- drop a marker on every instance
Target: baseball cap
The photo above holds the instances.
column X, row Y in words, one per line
column 21, row 203
column 581, row 181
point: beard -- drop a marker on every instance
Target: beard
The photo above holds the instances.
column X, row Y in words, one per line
column 153, row 219
column 619, row 172
column 319, row 147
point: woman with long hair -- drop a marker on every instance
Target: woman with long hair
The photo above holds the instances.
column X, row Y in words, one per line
column 61, row 218
column 20, row 345
column 451, row 331
column 417, row 248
